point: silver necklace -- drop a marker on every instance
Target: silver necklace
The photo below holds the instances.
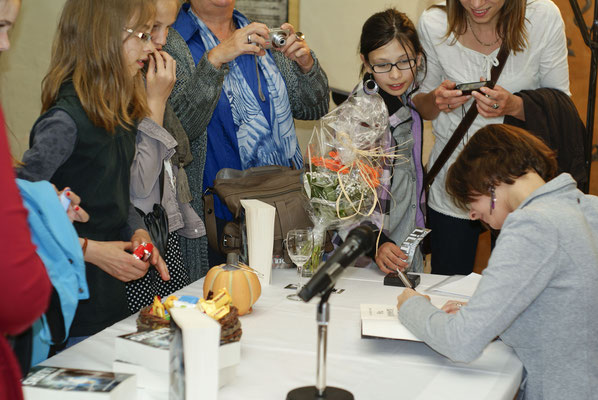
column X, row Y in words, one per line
column 478, row 39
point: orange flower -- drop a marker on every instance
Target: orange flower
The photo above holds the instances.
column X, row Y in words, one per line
column 369, row 174
column 317, row 161
column 330, row 163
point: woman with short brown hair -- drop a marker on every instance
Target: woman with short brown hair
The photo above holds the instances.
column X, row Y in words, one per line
column 538, row 293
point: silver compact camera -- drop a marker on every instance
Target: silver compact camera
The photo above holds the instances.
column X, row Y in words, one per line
column 277, row 38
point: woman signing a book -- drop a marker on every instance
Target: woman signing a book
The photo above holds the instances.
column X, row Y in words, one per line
column 538, row 293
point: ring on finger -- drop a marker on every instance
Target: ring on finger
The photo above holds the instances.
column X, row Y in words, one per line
column 249, row 41
column 300, row 36
column 495, row 106
column 449, row 106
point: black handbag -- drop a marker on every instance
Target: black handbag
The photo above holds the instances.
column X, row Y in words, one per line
column 156, row 222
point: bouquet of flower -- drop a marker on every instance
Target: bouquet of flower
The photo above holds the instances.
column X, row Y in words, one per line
column 347, row 155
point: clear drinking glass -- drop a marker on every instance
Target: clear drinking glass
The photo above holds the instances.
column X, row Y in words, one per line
column 300, row 243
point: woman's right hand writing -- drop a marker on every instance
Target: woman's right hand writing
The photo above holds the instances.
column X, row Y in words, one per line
column 239, row 43
column 115, row 259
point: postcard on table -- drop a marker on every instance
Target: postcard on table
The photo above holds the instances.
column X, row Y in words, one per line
column 463, row 287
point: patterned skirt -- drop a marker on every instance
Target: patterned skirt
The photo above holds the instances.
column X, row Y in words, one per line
column 141, row 292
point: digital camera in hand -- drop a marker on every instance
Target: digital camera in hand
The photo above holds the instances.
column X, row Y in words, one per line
column 467, row 88
column 277, row 38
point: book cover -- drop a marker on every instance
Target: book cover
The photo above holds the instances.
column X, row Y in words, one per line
column 194, row 356
column 149, row 349
column 49, row 383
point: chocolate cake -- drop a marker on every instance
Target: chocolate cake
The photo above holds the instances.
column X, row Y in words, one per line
column 230, row 326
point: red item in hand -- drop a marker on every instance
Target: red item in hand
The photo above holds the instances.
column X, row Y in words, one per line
column 143, row 251
column 149, row 248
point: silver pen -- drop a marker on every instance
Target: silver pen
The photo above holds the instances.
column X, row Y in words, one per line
column 404, row 278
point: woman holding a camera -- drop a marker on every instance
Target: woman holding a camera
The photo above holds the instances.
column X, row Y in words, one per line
column 462, row 40
column 239, row 86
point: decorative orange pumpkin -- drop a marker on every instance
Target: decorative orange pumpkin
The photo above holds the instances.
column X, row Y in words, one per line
column 241, row 282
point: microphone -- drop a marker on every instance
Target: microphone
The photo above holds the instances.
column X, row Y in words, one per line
column 359, row 241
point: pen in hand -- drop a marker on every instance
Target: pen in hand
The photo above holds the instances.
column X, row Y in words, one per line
column 404, row 278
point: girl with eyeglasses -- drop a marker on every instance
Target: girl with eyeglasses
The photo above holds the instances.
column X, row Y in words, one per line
column 92, row 99
column 158, row 174
column 393, row 58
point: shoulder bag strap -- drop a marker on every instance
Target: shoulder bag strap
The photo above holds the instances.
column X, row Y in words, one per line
column 466, row 122
column 210, row 219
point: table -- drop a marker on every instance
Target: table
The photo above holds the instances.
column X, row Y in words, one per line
column 278, row 349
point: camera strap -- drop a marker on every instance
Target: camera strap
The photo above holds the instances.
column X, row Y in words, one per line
column 466, row 122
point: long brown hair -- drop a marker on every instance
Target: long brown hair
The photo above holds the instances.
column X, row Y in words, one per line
column 88, row 48
column 510, row 27
column 495, row 154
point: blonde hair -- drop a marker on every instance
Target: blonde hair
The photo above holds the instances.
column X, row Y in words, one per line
column 510, row 27
column 88, row 49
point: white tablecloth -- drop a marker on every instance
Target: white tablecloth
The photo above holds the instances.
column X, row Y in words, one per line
column 278, row 350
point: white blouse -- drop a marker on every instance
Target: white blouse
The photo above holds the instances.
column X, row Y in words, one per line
column 542, row 64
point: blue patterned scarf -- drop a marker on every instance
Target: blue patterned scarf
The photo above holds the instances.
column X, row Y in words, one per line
column 261, row 142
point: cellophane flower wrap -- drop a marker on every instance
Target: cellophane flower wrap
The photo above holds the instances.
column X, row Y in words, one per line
column 346, row 154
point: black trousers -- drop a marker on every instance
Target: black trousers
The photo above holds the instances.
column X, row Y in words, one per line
column 453, row 243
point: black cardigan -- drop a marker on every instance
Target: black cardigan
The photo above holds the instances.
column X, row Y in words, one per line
column 551, row 115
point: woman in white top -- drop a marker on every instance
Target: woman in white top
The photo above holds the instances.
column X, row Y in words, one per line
column 461, row 40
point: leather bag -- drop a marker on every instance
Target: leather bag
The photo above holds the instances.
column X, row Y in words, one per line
column 279, row 186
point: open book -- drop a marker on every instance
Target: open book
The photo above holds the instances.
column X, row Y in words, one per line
column 382, row 320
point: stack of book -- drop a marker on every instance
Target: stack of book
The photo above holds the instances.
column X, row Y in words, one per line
column 153, row 356
column 146, row 355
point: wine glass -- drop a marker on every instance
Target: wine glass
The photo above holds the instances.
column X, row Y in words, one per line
column 300, row 243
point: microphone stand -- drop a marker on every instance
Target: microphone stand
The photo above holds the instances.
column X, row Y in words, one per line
column 320, row 391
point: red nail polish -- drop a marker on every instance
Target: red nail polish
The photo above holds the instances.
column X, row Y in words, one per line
column 76, row 208
column 68, row 193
